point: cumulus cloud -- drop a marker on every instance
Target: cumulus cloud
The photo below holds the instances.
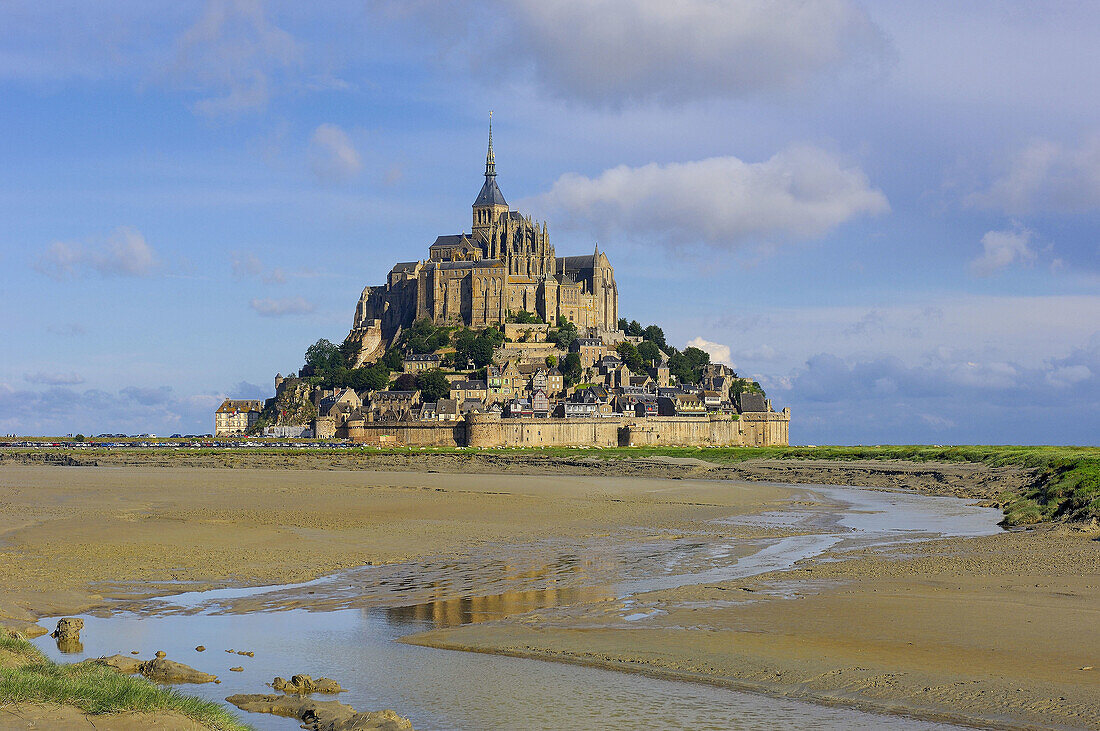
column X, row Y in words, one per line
column 332, row 156
column 125, row 253
column 246, row 264
column 271, row 307
column 1001, row 249
column 1047, row 176
column 718, row 353
column 611, row 52
column 70, row 378
column 235, row 52
column 800, row 193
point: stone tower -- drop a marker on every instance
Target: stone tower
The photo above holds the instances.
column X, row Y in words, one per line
column 490, row 203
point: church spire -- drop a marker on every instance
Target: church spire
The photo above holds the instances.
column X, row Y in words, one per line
column 490, row 159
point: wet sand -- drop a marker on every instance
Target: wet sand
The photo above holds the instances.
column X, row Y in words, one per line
column 991, row 629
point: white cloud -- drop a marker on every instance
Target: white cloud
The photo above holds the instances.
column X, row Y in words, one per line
column 54, row 379
column 764, row 352
column 246, row 264
column 332, row 156
column 1003, row 248
column 718, row 353
column 799, row 193
column 1047, row 176
column 270, row 307
column 235, row 52
column 611, row 52
column 124, row 253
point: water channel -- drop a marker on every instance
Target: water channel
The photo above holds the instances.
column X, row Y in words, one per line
column 344, row 626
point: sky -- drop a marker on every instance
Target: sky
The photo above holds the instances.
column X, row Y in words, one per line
column 886, row 212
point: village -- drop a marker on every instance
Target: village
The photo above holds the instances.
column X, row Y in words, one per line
column 597, row 375
column 494, row 340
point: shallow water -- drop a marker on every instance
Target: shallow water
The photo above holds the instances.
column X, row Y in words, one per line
column 344, row 626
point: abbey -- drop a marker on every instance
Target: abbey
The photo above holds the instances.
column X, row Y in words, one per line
column 506, row 264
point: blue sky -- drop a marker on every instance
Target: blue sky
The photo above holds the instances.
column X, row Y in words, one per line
column 886, row 212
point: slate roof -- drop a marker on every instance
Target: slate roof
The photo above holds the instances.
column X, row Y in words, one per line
column 751, row 402
column 490, row 194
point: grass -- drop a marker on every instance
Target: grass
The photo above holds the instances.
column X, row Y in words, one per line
column 1067, row 484
column 30, row 677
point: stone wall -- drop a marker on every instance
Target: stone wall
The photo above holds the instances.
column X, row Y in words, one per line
column 490, row 430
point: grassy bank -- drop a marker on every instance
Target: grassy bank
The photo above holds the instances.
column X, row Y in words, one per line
column 27, row 676
column 1067, row 486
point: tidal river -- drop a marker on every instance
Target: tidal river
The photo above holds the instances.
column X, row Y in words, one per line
column 345, row 626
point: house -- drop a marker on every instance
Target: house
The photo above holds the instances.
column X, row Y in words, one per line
column 472, row 404
column 608, row 363
column 518, row 408
column 646, row 407
column 682, row 404
column 576, row 409
column 428, row 411
column 236, row 416
column 555, row 381
column 463, row 390
column 447, row 409
column 339, row 401
column 420, row 362
column 590, row 350
column 540, row 403
column 503, row 381
column 393, row 405
column 711, row 400
column 751, row 402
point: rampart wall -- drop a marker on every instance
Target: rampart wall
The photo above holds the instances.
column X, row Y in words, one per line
column 489, row 430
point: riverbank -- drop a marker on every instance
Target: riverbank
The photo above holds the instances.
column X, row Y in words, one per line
column 998, row 625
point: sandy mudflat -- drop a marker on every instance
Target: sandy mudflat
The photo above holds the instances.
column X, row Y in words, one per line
column 72, row 536
column 993, row 629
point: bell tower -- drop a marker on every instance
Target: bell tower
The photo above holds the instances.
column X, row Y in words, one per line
column 490, row 201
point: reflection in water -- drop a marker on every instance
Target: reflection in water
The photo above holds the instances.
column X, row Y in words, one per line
column 70, row 645
column 467, row 610
column 306, row 628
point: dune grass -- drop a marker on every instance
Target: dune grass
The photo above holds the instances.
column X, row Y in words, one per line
column 27, row 676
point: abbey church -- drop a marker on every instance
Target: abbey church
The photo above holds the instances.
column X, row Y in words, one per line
column 505, row 264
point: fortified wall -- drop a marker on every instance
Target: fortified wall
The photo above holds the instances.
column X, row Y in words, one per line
column 490, row 430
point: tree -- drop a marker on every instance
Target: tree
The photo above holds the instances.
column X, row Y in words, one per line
column 551, row 361
column 433, row 385
column 405, row 382
column 524, row 317
column 571, row 368
column 634, row 328
column 481, row 351
column 623, row 324
column 564, row 336
column 323, row 356
column 648, row 351
column 655, row 335
column 373, row 378
column 629, row 354
column 688, row 365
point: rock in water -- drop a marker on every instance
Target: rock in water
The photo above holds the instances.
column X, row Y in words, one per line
column 200, row 648
column 321, row 715
column 237, row 669
column 306, row 684
column 163, row 670
column 68, row 628
column 121, row 663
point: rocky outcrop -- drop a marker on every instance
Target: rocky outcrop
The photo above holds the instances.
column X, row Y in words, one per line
column 306, row 684
column 321, row 715
column 292, row 405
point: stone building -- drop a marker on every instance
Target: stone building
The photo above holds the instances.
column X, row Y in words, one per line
column 506, row 264
column 236, row 416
